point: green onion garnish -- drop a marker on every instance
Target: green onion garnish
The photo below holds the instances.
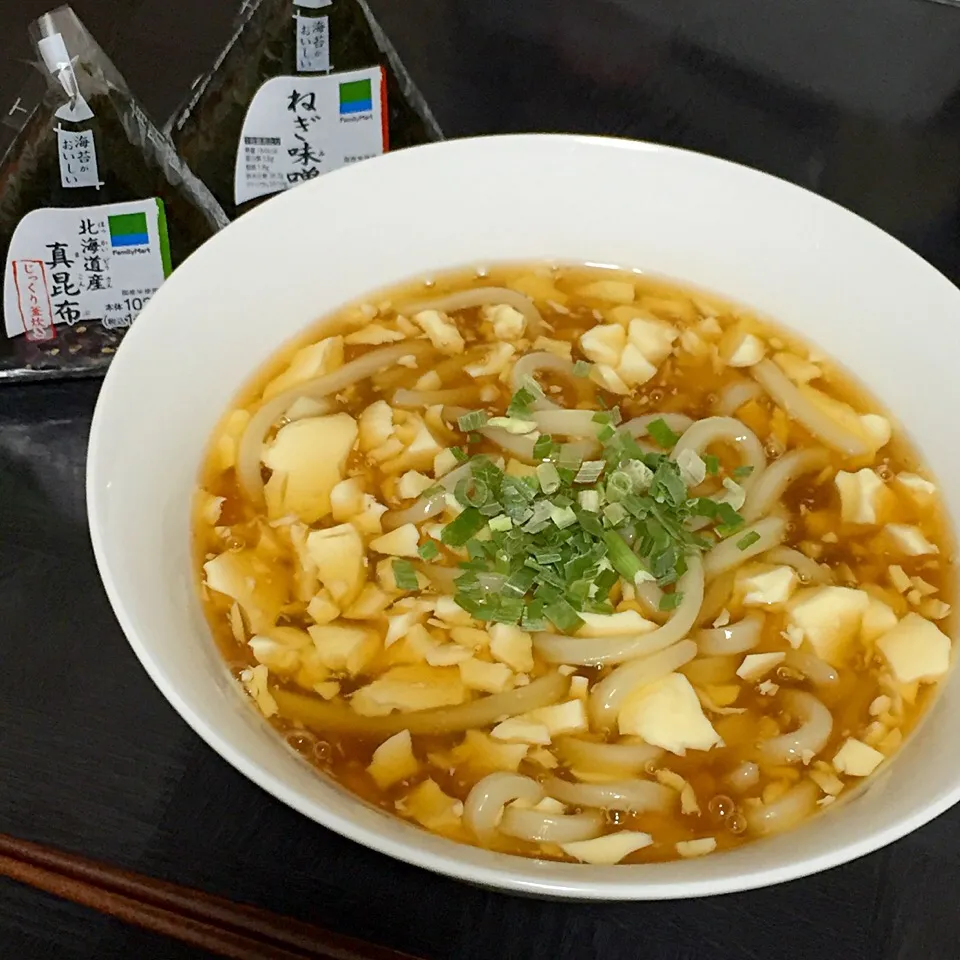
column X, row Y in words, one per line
column 459, row 453
column 471, row 492
column 521, row 403
column 474, row 420
column 589, row 471
column 548, row 477
column 740, row 472
column 670, row 601
column 581, row 368
column 748, row 541
column 712, row 463
column 459, row 531
column 405, row 575
column 428, row 550
column 661, row 433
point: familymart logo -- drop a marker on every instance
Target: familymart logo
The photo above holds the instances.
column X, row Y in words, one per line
column 356, row 96
column 128, row 230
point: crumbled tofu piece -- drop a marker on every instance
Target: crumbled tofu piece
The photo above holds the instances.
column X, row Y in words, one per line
column 877, row 620
column 916, row 649
column 898, row 578
column 254, row 680
column 693, row 343
column 494, row 363
column 449, row 611
column 857, row 759
column 608, row 378
column 429, row 381
column 508, row 322
column 614, row 291
column 485, row 676
column 614, row 624
column 634, row 368
column 863, row 496
column 877, row 429
column 693, row 470
column 308, row 458
column 935, row 609
column 402, row 542
column 829, row 619
column 367, row 521
column 369, row 605
column 441, row 331
column 568, row 717
column 512, row 646
column 423, row 448
column 210, row 507
column 344, row 648
column 916, row 488
column 375, row 425
column 880, row 705
column 373, row 333
column 321, row 609
column 443, row 463
column 314, row 360
column 798, row 370
column 252, row 582
column 412, row 484
column 559, row 348
column 410, row 687
column 667, row 713
column 749, row 351
column 400, row 624
column 279, row 650
column 346, row 499
column 826, row 780
column 393, row 760
column 432, row 808
column 608, row 849
column 696, row 848
column 519, row 730
column 769, row 587
column 339, row 556
column 652, row 338
column 757, row 665
column 579, row 687
column 768, row 688
column 910, row 540
column 471, row 637
column 604, row 343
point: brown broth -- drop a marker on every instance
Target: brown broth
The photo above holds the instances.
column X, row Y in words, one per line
column 684, row 383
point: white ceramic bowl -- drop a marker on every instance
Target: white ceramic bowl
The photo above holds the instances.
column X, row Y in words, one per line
column 859, row 294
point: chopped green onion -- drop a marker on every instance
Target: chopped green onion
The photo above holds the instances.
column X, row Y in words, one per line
column 670, row 601
column 472, row 492
column 405, row 575
column 741, row 472
column 661, row 433
column 562, row 615
column 589, row 471
column 748, row 541
column 615, row 514
column 500, row 524
column 533, row 618
column 589, row 500
column 563, row 517
column 474, row 420
column 606, row 432
column 543, row 447
column 459, row 453
column 428, row 550
column 621, row 557
column 619, row 485
column 548, row 478
column 460, row 530
column 712, row 464
column 581, row 368
column 521, row 403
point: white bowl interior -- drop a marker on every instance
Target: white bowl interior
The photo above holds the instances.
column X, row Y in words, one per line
column 860, row 295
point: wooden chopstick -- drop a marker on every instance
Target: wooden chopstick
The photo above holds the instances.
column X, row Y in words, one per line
column 211, row 923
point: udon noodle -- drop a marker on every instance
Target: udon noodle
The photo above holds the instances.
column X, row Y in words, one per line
column 573, row 563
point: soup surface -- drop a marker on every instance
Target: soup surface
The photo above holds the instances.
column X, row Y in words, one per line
column 574, row 563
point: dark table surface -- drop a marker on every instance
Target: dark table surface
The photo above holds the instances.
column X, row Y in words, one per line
column 858, row 99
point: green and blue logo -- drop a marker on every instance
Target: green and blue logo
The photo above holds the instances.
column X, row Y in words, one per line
column 356, row 96
column 128, row 230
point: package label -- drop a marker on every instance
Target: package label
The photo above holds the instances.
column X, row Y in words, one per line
column 77, row 151
column 313, row 44
column 70, row 265
column 300, row 127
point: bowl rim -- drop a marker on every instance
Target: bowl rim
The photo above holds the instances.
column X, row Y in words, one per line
column 504, row 872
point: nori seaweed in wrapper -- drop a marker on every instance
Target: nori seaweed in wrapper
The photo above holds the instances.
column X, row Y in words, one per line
column 207, row 130
column 135, row 162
